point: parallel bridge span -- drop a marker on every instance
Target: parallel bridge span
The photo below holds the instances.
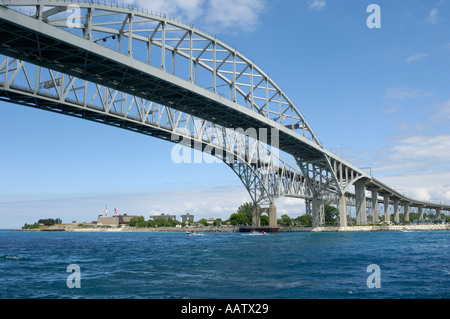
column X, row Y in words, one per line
column 177, row 81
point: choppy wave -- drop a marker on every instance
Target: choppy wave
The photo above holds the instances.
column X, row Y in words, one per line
column 224, row 265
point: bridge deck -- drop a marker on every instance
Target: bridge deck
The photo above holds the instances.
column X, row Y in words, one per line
column 39, row 43
column 45, row 45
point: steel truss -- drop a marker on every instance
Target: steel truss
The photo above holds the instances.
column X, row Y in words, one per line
column 144, row 72
column 265, row 176
column 174, row 47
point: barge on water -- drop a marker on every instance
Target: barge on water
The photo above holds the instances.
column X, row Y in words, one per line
column 261, row 229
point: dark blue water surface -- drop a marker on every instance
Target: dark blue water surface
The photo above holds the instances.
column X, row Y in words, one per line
column 225, row 265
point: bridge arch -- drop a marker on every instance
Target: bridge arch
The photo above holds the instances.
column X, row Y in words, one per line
column 172, row 72
column 186, row 57
column 265, row 176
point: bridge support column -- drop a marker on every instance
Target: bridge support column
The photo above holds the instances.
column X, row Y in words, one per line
column 396, row 213
column 420, row 212
column 387, row 212
column 361, row 212
column 374, row 206
column 272, row 212
column 406, row 207
column 256, row 216
column 342, row 211
column 438, row 213
column 315, row 203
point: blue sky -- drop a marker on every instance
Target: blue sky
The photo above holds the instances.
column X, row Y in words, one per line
column 378, row 97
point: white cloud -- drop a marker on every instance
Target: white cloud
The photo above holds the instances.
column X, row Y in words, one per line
column 201, row 204
column 434, row 16
column 425, row 185
column 405, row 92
column 411, row 151
column 214, row 15
column 416, row 57
column 424, row 147
column 317, row 5
column 234, row 14
column 392, row 109
column 418, row 165
column 182, row 9
column 442, row 112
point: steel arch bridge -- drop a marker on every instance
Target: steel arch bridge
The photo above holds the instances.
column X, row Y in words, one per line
column 143, row 72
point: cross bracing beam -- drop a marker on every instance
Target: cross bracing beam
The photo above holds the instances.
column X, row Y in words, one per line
column 169, row 63
column 167, row 45
column 266, row 176
column 255, row 100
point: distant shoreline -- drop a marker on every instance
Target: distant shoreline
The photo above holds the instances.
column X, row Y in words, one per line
column 367, row 228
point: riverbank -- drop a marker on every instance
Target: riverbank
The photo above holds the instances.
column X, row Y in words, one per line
column 421, row 227
column 424, row 227
column 232, row 229
column 157, row 229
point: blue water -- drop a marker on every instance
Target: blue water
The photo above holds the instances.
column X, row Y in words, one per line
column 225, row 265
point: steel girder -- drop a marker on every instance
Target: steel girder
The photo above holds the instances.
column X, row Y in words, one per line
column 265, row 176
column 157, row 59
column 145, row 44
column 167, row 45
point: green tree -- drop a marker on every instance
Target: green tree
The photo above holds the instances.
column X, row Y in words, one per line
column 243, row 216
column 47, row 222
column 161, row 222
column 285, row 220
column 239, row 219
column 413, row 216
column 172, row 222
column 331, row 215
column 247, row 210
column 31, row 226
column 264, row 220
column 136, row 221
column 217, row 222
column 203, row 221
column 305, row 220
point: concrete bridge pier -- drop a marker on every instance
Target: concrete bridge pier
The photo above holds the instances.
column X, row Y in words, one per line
column 374, row 206
column 271, row 212
column 406, row 207
column 343, row 211
column 438, row 213
column 396, row 211
column 256, row 216
column 387, row 212
column 420, row 212
column 316, row 208
column 360, row 194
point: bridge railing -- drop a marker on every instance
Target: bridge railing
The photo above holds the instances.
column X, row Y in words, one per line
column 36, row 86
column 176, row 48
